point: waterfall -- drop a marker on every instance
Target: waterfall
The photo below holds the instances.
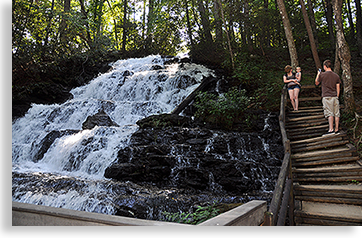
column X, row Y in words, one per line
column 132, row 90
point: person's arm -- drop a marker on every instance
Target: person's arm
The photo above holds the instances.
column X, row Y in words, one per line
column 299, row 77
column 317, row 78
column 288, row 80
column 285, row 79
column 338, row 87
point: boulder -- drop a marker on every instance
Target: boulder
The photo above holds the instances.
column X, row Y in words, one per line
column 48, row 140
column 164, row 120
column 99, row 119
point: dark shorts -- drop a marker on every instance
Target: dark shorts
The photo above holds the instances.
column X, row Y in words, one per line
column 294, row 87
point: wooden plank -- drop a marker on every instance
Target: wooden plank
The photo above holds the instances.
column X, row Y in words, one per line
column 324, row 157
column 323, row 141
column 321, row 146
column 320, row 153
column 324, row 162
column 350, row 201
column 326, row 219
column 279, row 187
column 328, row 194
column 305, row 99
column 309, row 124
column 303, row 122
column 330, row 179
column 328, row 169
column 306, row 110
column 304, row 118
column 304, row 136
column 329, row 175
column 310, row 86
column 350, row 188
column 308, row 128
column 304, row 114
column 318, row 139
column 285, row 201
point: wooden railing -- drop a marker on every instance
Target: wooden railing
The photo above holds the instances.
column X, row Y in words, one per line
column 282, row 203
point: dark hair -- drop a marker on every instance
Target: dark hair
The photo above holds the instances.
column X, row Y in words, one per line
column 328, row 64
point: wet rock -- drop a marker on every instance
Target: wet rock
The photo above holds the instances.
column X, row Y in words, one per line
column 167, row 154
column 164, row 120
column 48, row 140
column 99, row 119
column 156, row 67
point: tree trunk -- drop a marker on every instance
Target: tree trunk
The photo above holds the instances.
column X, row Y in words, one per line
column 149, row 34
column 205, row 23
column 218, row 21
column 227, row 35
column 247, row 27
column 189, row 30
column 124, row 35
column 310, row 35
column 345, row 57
column 359, row 25
column 63, row 24
column 47, row 30
column 288, row 34
column 337, row 62
column 350, row 21
column 312, row 21
column 85, row 16
column 329, row 16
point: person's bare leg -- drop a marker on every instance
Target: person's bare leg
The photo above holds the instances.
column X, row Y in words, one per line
column 330, row 122
column 336, row 120
column 296, row 100
column 291, row 96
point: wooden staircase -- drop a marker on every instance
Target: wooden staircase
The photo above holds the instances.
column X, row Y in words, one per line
column 327, row 173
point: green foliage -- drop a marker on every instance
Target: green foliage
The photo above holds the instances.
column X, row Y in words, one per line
column 200, row 215
column 222, row 110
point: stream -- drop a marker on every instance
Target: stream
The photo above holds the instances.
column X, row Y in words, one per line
column 59, row 159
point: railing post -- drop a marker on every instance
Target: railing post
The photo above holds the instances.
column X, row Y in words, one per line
column 268, row 219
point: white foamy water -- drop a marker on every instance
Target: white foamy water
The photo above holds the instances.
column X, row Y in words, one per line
column 132, row 90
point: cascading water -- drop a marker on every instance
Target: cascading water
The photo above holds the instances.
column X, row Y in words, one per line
column 69, row 172
column 61, row 160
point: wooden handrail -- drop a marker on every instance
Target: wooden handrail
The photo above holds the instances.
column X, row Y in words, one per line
column 283, row 192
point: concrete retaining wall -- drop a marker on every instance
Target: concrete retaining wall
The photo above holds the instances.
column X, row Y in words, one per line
column 23, row 214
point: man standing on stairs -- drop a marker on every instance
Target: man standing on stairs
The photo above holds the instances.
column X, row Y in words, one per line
column 331, row 87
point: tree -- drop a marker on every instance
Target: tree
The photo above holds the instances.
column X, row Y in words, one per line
column 227, row 35
column 64, row 24
column 359, row 26
column 310, row 35
column 329, row 16
column 288, row 34
column 124, row 35
column 345, row 57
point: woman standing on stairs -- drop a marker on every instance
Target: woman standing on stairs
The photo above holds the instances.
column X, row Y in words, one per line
column 293, row 86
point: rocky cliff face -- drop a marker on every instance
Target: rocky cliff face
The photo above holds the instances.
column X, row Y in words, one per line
column 175, row 151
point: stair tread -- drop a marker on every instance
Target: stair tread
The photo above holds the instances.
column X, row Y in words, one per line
column 328, row 169
column 357, row 188
column 318, row 139
column 321, row 145
column 304, row 118
column 322, row 152
column 324, row 161
column 331, row 209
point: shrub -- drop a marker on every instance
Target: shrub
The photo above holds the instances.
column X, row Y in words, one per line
column 223, row 110
column 200, row 215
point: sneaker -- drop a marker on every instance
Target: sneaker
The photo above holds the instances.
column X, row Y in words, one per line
column 329, row 133
column 337, row 132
